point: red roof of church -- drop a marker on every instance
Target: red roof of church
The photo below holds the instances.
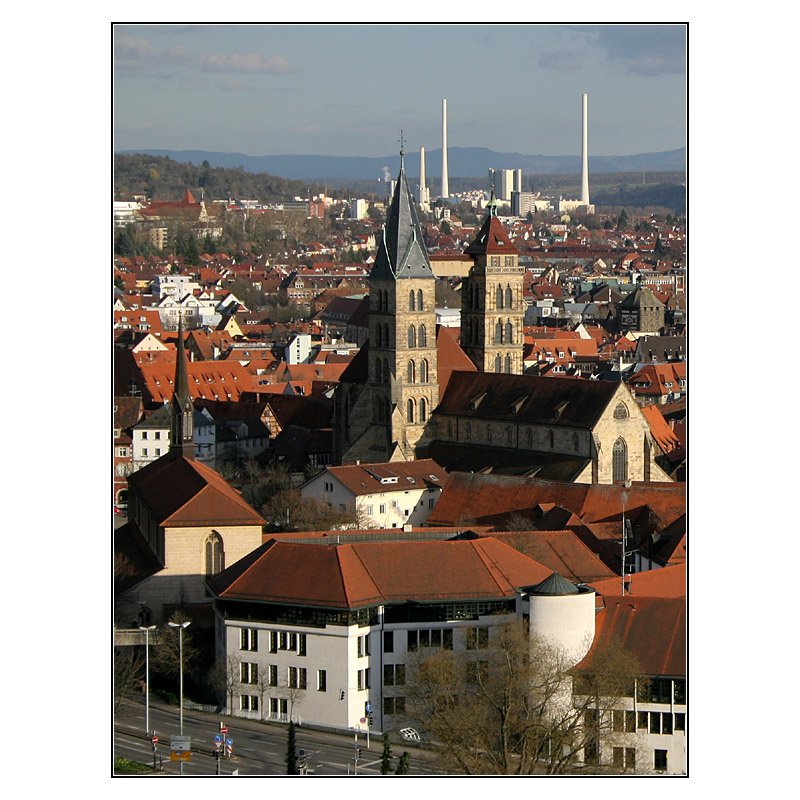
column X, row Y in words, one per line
column 492, row 239
column 181, row 492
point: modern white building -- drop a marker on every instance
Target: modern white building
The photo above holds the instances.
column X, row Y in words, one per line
column 358, row 208
column 388, row 495
column 315, row 632
column 298, row 349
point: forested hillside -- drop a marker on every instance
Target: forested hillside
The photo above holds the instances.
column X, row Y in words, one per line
column 161, row 178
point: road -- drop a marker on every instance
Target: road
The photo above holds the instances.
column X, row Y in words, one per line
column 259, row 748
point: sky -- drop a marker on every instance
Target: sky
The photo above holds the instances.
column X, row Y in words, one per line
column 278, row 89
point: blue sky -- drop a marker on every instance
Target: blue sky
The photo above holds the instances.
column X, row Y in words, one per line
column 349, row 89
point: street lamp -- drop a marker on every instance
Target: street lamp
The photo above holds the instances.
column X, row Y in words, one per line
column 147, row 675
column 180, row 626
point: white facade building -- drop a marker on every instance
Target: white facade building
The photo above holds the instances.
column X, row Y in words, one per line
column 388, row 495
column 151, row 438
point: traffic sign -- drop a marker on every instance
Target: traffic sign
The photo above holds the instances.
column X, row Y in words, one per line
column 180, row 748
column 223, row 728
column 229, row 742
column 154, row 740
column 217, row 740
column 367, row 706
column 363, row 720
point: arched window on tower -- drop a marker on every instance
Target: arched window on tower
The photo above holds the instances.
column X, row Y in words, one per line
column 508, row 363
column 423, row 371
column 387, row 376
column 509, row 297
column 420, row 301
column 215, row 554
column 412, row 301
column 378, row 336
column 619, row 461
column 621, row 411
column 499, row 297
column 412, row 372
column 410, row 409
column 498, row 333
column 423, row 336
column 509, row 338
column 498, row 363
column 412, row 336
column 423, row 410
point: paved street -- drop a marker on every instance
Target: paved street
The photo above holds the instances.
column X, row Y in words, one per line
column 258, row 748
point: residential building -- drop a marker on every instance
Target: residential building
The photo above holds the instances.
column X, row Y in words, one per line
column 388, row 495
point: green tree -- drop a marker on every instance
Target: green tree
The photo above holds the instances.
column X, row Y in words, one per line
column 445, row 228
column 386, row 756
column 622, row 220
column 291, row 751
column 402, row 765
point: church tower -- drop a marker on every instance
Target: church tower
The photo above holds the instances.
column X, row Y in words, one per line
column 403, row 376
column 181, row 441
column 492, row 309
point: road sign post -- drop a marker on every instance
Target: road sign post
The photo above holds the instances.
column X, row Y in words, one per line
column 154, row 740
column 229, row 747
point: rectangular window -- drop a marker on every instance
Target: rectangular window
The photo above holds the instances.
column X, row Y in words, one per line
column 249, row 639
column 367, row 684
column 447, row 639
column 322, row 681
column 411, row 641
column 273, row 674
column 630, row 758
column 292, row 681
column 273, row 641
column 248, row 702
column 642, row 719
column 388, row 705
column 660, row 760
column 619, row 757
column 399, row 705
column 370, row 510
column 301, row 644
column 388, row 642
column 400, row 674
column 360, row 680
column 680, row 690
column 303, row 684
column 436, row 638
column 282, row 639
column 249, row 672
column 630, row 721
column 618, row 718
column 666, row 723
column 680, row 722
column 431, row 503
column 292, row 645
column 360, row 646
column 158, row 434
column 273, row 706
column 655, row 722
column 144, row 434
column 388, row 674
column 425, row 638
column 382, row 508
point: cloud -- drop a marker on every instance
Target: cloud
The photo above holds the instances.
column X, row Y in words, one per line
column 563, row 60
column 137, row 54
column 642, row 49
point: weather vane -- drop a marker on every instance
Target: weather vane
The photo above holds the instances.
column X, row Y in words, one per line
column 402, row 141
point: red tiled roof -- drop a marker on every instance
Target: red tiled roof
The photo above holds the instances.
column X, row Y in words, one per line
column 367, row 573
column 653, row 629
column 492, row 239
column 181, row 492
column 666, row 582
column 363, row 479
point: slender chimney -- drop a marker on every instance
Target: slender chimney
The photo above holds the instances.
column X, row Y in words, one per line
column 445, row 187
column 422, row 198
column 585, row 153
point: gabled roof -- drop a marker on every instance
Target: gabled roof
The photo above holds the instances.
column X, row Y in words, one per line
column 369, row 573
column 394, row 476
column 526, row 398
column 181, row 492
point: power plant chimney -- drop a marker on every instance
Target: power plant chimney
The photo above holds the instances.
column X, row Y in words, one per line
column 445, row 187
column 423, row 199
column 585, row 153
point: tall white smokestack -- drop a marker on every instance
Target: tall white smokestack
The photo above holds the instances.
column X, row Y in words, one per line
column 585, row 153
column 422, row 198
column 445, row 187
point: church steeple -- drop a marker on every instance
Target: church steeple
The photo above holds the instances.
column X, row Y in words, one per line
column 403, row 374
column 181, row 427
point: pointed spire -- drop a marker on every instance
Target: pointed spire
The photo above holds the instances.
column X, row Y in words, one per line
column 181, row 433
column 402, row 253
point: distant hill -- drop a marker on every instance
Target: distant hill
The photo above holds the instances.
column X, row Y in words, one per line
column 467, row 162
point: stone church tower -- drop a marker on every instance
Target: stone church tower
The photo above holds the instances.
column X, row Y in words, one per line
column 387, row 420
column 492, row 309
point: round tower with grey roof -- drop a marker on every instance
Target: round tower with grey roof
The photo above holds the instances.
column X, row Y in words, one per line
column 562, row 614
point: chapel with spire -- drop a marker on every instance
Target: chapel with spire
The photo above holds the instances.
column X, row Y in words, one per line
column 398, row 365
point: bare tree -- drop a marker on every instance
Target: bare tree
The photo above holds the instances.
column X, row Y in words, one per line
column 166, row 658
column 128, row 673
column 224, row 677
column 509, row 709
